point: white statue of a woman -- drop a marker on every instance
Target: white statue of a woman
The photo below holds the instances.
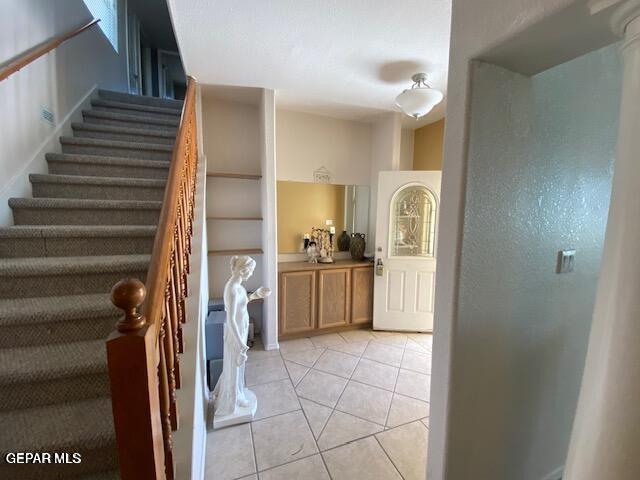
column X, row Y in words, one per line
column 233, row 402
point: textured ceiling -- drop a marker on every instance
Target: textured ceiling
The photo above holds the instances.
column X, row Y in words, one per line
column 348, row 58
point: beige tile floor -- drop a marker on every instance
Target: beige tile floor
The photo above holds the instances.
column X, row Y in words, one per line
column 339, row 406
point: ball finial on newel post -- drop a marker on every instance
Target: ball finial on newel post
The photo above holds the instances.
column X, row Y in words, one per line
column 128, row 294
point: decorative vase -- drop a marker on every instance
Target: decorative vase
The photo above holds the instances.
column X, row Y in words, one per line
column 357, row 246
column 344, row 242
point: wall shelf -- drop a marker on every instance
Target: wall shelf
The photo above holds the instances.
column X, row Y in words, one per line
column 256, row 219
column 238, row 176
column 242, row 251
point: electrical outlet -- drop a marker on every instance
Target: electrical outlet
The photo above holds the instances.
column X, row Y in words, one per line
column 566, row 259
column 47, row 115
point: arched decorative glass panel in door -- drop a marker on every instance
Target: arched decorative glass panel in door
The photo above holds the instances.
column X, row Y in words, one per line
column 413, row 222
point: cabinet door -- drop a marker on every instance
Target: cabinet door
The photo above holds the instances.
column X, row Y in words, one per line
column 362, row 295
column 334, row 287
column 297, row 302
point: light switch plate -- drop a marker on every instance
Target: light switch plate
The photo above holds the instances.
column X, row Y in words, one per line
column 566, row 259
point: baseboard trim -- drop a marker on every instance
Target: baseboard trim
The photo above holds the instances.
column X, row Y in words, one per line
column 554, row 475
column 18, row 185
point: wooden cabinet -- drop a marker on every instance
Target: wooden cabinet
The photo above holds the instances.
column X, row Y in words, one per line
column 297, row 301
column 362, row 295
column 316, row 298
column 334, row 295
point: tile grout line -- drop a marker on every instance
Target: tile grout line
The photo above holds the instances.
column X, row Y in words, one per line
column 395, row 385
column 255, row 459
column 253, row 446
column 388, row 457
column 341, row 393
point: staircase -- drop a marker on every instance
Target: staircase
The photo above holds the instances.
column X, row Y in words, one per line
column 90, row 223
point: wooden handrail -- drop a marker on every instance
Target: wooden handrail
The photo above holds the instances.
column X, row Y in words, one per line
column 34, row 53
column 143, row 352
column 156, row 278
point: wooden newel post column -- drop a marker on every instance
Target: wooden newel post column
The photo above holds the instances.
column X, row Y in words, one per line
column 133, row 375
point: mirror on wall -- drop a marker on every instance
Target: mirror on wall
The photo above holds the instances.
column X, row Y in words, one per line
column 303, row 206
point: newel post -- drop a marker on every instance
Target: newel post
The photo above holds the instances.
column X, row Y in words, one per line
column 132, row 356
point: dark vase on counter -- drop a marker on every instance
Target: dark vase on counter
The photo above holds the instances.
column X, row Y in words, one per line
column 357, row 246
column 344, row 242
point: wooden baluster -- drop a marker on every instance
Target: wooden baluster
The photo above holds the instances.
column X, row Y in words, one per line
column 180, row 284
column 133, row 376
column 184, row 217
column 165, row 406
column 170, row 355
column 181, row 271
column 176, row 313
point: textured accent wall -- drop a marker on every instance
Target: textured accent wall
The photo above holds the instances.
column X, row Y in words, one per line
column 302, row 206
column 541, row 152
column 427, row 146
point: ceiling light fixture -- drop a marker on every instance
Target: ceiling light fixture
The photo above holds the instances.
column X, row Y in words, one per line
column 420, row 99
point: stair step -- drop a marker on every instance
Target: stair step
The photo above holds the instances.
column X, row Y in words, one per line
column 134, row 109
column 126, row 120
column 102, row 166
column 47, row 320
column 99, row 188
column 140, row 99
column 47, row 374
column 125, row 134
column 94, row 146
column 85, row 427
column 63, row 211
column 43, row 276
column 70, row 241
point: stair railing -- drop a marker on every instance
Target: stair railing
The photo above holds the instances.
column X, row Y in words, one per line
column 142, row 354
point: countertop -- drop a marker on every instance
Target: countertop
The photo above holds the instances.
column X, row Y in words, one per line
column 302, row 266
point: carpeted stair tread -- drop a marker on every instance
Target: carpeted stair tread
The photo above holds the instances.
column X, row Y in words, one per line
column 51, row 362
column 81, row 231
column 78, row 203
column 114, row 144
column 36, row 266
column 101, row 165
column 131, row 118
column 87, row 424
column 22, row 241
column 41, row 310
column 89, row 180
column 149, row 135
column 135, row 107
column 140, row 99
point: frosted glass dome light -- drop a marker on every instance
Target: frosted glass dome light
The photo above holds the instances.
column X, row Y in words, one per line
column 420, row 99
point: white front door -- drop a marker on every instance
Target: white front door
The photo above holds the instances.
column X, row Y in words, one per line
column 405, row 250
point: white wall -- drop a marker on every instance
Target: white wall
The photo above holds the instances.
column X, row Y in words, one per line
column 268, row 168
column 406, row 149
column 475, row 27
column 231, row 139
column 385, row 155
column 59, row 80
column 506, row 370
column 306, row 142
